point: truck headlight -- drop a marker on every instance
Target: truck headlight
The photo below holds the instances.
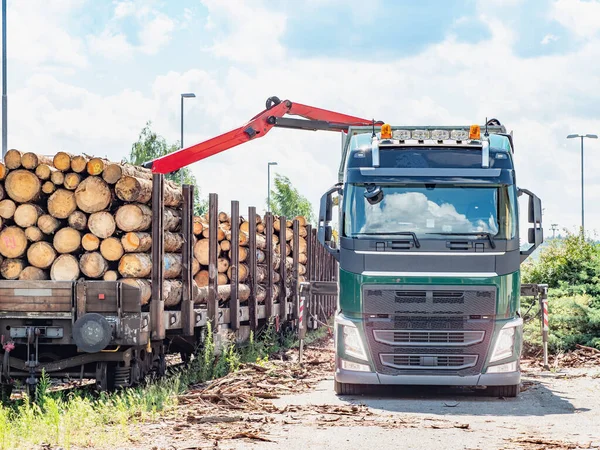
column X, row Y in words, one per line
column 505, row 342
column 353, row 345
column 503, row 368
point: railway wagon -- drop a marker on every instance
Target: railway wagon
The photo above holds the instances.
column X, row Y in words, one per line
column 96, row 329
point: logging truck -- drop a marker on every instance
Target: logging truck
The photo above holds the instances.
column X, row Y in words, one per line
column 423, row 274
column 428, row 253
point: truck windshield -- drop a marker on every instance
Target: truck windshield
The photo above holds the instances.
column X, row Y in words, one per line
column 429, row 209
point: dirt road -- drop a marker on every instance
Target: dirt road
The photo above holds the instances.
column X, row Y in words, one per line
column 554, row 411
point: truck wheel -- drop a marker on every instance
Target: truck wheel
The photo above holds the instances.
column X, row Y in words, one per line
column 349, row 389
column 504, row 391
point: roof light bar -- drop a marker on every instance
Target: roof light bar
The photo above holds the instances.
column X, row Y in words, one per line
column 420, row 135
column 401, row 135
column 459, row 135
column 440, row 135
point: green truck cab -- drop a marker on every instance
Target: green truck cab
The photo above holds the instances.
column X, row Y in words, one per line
column 429, row 257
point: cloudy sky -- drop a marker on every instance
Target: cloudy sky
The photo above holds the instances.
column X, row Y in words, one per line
column 86, row 75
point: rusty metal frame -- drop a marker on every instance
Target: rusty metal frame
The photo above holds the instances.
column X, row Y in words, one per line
column 269, row 262
column 187, row 254
column 252, row 301
column 234, row 261
column 213, row 247
column 282, row 270
column 157, row 304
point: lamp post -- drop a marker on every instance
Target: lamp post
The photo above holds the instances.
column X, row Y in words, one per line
column 590, row 136
column 4, row 97
column 269, row 185
column 186, row 95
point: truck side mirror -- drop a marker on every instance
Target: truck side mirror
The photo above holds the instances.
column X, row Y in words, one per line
column 325, row 232
column 535, row 235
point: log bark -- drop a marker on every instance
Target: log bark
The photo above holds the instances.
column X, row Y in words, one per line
column 136, row 242
column 48, row 224
column 57, row 177
column 7, row 208
column 171, row 265
column 172, row 290
column 145, row 287
column 72, row 180
column 62, row 161
column 93, row 265
column 62, row 203
column 31, row 273
column 302, row 245
column 22, row 186
column 11, row 268
column 133, row 217
column 134, row 189
column 44, row 171
column 34, row 234
column 111, row 249
column 223, row 217
column 243, row 272
column 65, row 268
column 102, row 224
column 67, row 240
column 78, row 220
column 90, row 242
column 48, row 187
column 114, row 171
column 12, row 159
column 135, row 265
column 93, row 195
column 2, row 192
column 173, row 242
column 110, row 275
column 41, row 255
column 172, row 219
column 27, row 214
column 79, row 163
column 13, row 242
column 223, row 293
column 31, row 161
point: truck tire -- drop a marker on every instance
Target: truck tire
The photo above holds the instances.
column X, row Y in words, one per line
column 509, row 391
column 349, row 389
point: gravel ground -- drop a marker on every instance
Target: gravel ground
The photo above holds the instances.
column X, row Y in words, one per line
column 555, row 411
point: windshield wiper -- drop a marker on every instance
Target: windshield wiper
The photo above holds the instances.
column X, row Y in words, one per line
column 398, row 233
column 473, row 233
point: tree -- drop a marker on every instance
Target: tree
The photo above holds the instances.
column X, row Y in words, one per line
column 287, row 201
column 150, row 146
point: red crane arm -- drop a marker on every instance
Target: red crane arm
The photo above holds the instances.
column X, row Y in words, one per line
column 258, row 126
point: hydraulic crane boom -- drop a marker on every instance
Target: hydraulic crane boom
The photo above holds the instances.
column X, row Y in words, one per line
column 258, row 126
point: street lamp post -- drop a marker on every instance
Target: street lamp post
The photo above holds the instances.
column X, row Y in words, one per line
column 590, row 136
column 269, row 185
column 186, row 95
column 4, row 97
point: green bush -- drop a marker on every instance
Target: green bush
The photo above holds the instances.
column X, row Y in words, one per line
column 571, row 269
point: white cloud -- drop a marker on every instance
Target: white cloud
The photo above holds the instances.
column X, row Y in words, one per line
column 581, row 17
column 110, row 45
column 548, row 39
column 541, row 98
column 155, row 34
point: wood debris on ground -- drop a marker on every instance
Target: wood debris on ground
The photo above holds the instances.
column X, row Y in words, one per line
column 537, row 443
column 581, row 357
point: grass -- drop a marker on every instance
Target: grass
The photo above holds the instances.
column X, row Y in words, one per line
column 81, row 419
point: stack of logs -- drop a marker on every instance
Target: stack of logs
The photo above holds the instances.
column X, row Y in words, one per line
column 68, row 217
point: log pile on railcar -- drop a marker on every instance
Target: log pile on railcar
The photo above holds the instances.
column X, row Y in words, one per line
column 69, row 217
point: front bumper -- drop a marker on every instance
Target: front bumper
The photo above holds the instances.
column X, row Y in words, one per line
column 486, row 379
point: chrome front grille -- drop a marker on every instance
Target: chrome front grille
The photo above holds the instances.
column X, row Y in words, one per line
column 428, row 337
column 436, row 362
